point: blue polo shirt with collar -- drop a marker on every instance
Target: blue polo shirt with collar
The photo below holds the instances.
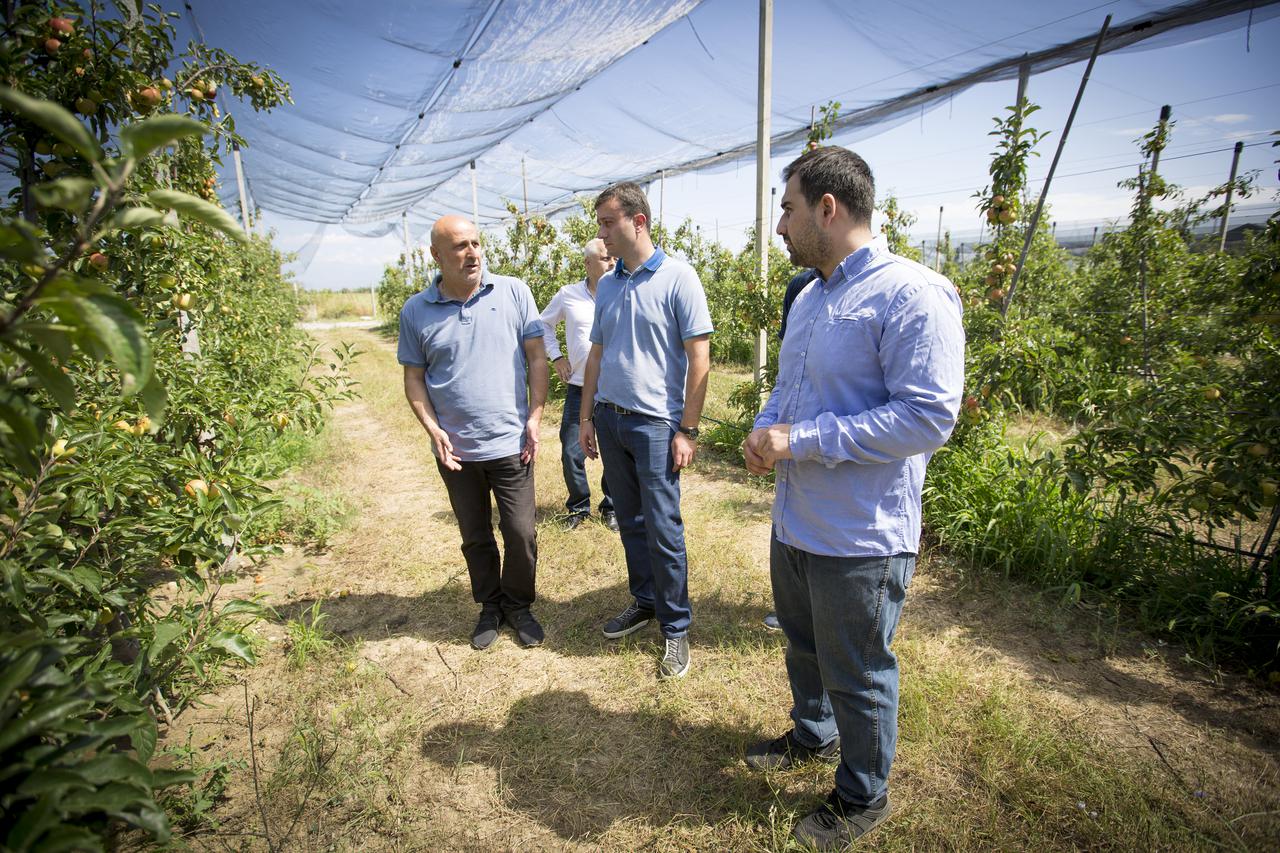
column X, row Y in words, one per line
column 642, row 320
column 474, row 360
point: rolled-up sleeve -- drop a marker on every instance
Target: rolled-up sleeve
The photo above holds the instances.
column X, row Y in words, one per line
column 922, row 360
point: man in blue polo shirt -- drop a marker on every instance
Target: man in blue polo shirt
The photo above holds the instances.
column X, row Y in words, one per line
column 475, row 375
column 870, row 377
column 642, row 395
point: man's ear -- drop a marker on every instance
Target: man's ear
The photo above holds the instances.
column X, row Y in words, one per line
column 435, row 256
column 827, row 208
column 641, row 221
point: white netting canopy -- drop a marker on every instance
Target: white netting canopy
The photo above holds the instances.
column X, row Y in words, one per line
column 556, row 98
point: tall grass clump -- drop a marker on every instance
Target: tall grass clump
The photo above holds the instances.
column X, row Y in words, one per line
column 1006, row 509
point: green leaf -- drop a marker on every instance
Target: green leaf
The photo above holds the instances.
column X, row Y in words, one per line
column 152, row 819
column 52, row 781
column 54, row 119
column 71, row 194
column 154, row 397
column 39, row 718
column 118, row 327
column 141, row 138
column 18, row 671
column 240, row 605
column 236, row 645
column 144, row 738
column 112, row 799
column 116, row 767
column 20, row 241
column 18, row 414
column 199, row 210
column 164, row 634
column 127, row 218
column 69, row 838
column 53, row 380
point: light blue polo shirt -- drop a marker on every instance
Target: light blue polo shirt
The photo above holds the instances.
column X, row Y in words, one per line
column 642, row 320
column 473, row 352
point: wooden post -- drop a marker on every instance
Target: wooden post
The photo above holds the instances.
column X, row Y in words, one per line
column 524, row 181
column 1165, row 112
column 1226, row 205
column 764, row 98
column 1095, row 237
column 1057, row 155
column 662, row 202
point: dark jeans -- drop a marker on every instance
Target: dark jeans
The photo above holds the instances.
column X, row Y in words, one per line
column 839, row 615
column 506, row 583
column 574, row 460
column 636, row 450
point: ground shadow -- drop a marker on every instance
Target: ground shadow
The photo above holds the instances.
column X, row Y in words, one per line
column 577, row 769
column 447, row 614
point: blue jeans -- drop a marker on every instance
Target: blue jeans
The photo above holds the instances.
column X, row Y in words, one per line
column 636, row 450
column 574, row 460
column 839, row 615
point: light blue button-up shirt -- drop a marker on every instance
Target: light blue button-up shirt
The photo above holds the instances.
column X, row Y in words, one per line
column 870, row 377
column 642, row 320
column 474, row 360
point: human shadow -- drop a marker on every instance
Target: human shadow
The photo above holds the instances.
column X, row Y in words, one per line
column 577, row 769
column 447, row 614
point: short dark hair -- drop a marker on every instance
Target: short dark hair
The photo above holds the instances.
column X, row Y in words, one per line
column 630, row 198
column 835, row 170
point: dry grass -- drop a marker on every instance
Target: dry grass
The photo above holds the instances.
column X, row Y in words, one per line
column 320, row 305
column 400, row 737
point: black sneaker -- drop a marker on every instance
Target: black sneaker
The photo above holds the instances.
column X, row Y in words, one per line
column 836, row 824
column 575, row 520
column 609, row 519
column 785, row 752
column 627, row 622
column 527, row 629
column 675, row 658
column 771, row 622
column 486, row 628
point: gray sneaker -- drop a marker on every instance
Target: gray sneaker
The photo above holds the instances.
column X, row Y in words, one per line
column 836, row 824
column 675, row 659
column 785, row 752
column 627, row 622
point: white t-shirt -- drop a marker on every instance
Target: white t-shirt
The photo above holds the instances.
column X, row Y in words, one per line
column 576, row 307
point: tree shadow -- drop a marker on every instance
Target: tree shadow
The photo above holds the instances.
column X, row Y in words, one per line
column 577, row 769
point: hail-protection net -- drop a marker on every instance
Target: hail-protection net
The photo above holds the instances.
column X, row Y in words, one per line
column 551, row 99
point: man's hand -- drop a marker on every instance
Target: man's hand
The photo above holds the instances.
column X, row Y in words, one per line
column 755, row 462
column 530, row 450
column 587, row 438
column 682, row 450
column 443, row 448
column 564, row 370
column 766, row 446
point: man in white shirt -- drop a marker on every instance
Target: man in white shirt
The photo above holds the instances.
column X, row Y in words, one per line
column 575, row 306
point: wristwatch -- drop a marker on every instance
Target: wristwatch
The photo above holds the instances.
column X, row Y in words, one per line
column 692, row 432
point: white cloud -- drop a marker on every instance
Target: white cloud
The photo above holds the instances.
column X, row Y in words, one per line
column 1229, row 118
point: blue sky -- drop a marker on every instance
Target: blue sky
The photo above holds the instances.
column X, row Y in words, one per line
column 1220, row 92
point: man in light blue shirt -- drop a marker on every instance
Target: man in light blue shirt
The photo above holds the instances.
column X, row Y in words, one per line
column 642, row 396
column 475, row 376
column 870, row 377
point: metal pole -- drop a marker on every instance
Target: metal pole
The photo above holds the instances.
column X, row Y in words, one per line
column 1095, row 237
column 1057, row 155
column 937, row 244
column 524, row 180
column 475, row 198
column 764, row 99
column 1165, row 112
column 244, row 193
column 662, row 201
column 773, row 199
column 1226, row 205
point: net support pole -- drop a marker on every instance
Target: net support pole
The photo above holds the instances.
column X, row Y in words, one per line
column 764, row 98
column 937, row 244
column 475, row 198
column 1226, row 204
column 240, row 185
column 1165, row 112
column 524, row 182
column 1057, row 155
column 662, row 202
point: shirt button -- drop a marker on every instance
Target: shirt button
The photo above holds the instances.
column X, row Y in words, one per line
column 803, row 354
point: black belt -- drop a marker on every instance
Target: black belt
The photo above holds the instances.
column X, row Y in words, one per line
column 617, row 408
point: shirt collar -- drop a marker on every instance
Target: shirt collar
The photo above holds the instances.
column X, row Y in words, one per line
column 435, row 294
column 655, row 261
column 858, row 261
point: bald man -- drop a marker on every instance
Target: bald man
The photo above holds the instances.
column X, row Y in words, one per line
column 475, row 375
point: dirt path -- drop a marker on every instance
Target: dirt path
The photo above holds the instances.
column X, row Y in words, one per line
column 402, row 737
